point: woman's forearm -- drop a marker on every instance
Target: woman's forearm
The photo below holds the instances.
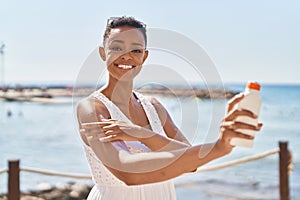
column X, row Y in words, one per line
column 157, row 142
column 171, row 164
column 143, row 168
column 119, row 130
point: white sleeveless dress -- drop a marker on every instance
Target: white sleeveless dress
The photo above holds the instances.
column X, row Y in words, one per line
column 109, row 187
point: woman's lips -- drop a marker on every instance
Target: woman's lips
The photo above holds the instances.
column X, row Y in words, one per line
column 125, row 66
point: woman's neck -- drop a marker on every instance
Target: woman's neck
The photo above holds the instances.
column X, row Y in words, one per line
column 119, row 92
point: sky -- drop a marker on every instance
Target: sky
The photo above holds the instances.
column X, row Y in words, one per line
column 49, row 40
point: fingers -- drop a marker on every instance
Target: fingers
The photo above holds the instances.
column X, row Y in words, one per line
column 233, row 114
column 228, row 134
column 102, row 123
column 91, row 134
column 92, row 126
column 106, row 122
column 232, row 102
column 107, row 130
column 233, row 125
column 95, row 127
column 109, row 138
column 110, row 127
column 112, row 132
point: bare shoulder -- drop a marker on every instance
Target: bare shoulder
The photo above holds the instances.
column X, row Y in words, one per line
column 89, row 109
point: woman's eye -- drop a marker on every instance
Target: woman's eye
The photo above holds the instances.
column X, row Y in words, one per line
column 137, row 51
column 116, row 49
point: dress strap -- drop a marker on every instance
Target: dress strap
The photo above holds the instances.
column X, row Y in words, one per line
column 116, row 113
column 113, row 110
column 151, row 113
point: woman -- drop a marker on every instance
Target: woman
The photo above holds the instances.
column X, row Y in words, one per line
column 133, row 147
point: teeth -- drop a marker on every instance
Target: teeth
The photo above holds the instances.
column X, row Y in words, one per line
column 125, row 66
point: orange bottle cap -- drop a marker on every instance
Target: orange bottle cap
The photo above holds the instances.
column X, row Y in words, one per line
column 253, row 85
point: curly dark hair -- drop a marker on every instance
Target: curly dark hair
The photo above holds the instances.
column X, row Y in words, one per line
column 124, row 21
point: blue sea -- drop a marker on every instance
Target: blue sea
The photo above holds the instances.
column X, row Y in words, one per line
column 45, row 136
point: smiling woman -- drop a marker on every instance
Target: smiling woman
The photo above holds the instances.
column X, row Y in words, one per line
column 124, row 48
column 133, row 147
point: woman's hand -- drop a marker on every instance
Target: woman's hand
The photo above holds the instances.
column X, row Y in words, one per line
column 113, row 130
column 109, row 130
column 120, row 130
column 229, row 125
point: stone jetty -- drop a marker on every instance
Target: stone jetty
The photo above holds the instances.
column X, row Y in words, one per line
column 46, row 94
column 46, row 191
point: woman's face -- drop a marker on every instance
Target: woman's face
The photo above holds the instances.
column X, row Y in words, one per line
column 124, row 52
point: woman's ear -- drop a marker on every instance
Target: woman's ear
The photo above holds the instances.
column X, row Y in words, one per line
column 145, row 55
column 102, row 53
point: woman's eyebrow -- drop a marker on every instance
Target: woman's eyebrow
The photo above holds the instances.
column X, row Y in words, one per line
column 118, row 41
column 137, row 44
column 122, row 42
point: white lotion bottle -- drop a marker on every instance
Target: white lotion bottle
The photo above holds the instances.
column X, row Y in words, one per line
column 251, row 102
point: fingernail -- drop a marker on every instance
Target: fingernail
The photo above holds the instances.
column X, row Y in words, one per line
column 82, row 130
column 103, row 139
column 101, row 117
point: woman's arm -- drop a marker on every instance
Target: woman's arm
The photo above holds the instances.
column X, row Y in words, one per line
column 174, row 139
column 90, row 110
column 118, row 130
column 144, row 168
column 135, row 169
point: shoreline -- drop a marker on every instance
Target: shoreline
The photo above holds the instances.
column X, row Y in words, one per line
column 46, row 191
column 44, row 95
column 201, row 189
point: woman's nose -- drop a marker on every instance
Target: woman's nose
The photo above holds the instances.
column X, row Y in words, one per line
column 126, row 56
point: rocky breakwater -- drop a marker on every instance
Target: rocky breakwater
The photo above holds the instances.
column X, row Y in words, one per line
column 202, row 93
column 62, row 191
column 47, row 95
column 172, row 91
